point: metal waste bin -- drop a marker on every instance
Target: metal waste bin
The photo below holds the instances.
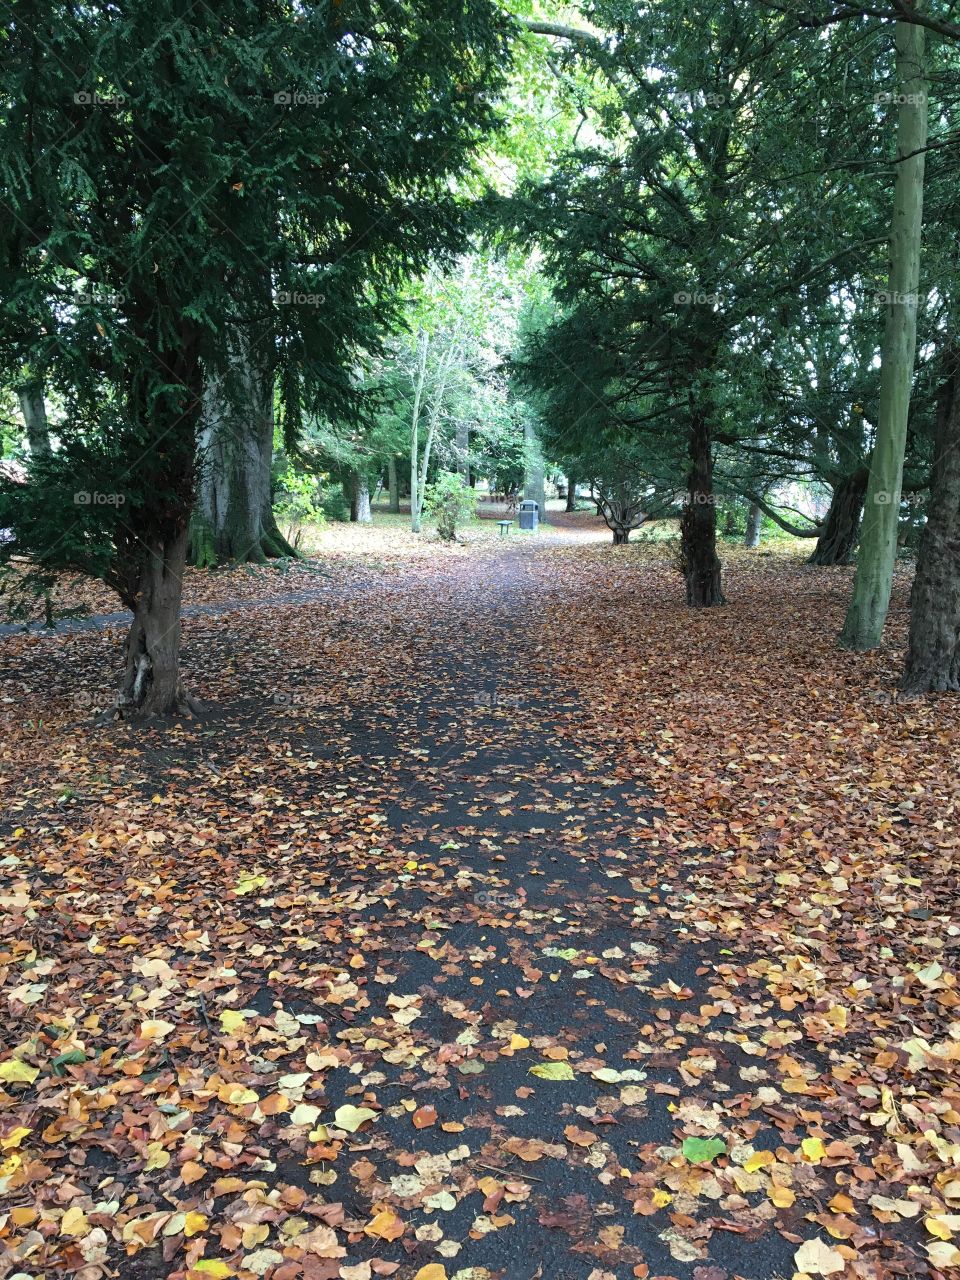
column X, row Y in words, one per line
column 529, row 514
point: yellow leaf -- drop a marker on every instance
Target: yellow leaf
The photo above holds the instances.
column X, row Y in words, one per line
column 14, row 1138
column 232, row 1020
column 943, row 1255
column 211, row 1267
column 937, row 1227
column 661, row 1198
column 782, row 1196
column 248, row 883
column 236, row 1095
column 156, row 1029
column 519, row 1042
column 13, row 1071
column 758, row 1160
column 351, row 1118
column 74, row 1223
column 432, row 1271
column 815, row 1258
column 813, row 1152
column 384, row 1226
column 552, row 1071
column 842, row 1204
column 305, row 1113
column 194, row 1223
column 157, row 1158
column 191, row 1172
column 837, row 1016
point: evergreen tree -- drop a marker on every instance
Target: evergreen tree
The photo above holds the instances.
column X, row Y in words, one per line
column 222, row 190
column 684, row 237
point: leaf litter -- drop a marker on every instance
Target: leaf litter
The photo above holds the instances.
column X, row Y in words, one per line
column 537, row 927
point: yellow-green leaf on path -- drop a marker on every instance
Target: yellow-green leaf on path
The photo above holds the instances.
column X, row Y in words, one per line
column 552, row 1071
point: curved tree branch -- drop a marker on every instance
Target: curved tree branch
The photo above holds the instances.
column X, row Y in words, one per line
column 777, row 518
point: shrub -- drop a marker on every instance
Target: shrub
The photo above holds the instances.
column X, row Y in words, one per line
column 449, row 501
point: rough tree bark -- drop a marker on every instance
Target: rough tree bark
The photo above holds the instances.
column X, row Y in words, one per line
column 34, row 410
column 151, row 683
column 841, row 527
column 751, row 538
column 150, row 580
column 359, row 495
column 533, row 479
column 234, row 520
column 698, row 526
column 863, row 627
column 572, row 493
column 393, row 486
column 933, row 655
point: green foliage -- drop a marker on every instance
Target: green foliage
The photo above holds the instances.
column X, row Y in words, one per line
column 673, row 301
column 501, row 447
column 450, row 501
column 173, row 171
column 298, row 497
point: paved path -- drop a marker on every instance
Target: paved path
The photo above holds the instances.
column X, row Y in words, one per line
column 526, row 841
column 533, row 926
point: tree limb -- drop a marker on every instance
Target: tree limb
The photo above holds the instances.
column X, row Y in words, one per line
column 775, row 516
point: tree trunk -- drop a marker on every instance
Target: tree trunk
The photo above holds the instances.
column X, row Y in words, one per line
column 838, row 540
column 393, row 486
column 419, row 383
column 933, row 656
column 863, row 628
column 698, row 527
column 151, row 684
column 434, row 410
column 360, row 498
column 533, row 490
column 751, row 538
column 234, row 518
column 463, row 450
column 34, row 411
column 621, row 536
column 571, row 493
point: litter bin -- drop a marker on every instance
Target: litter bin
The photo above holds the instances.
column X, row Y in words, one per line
column 529, row 514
